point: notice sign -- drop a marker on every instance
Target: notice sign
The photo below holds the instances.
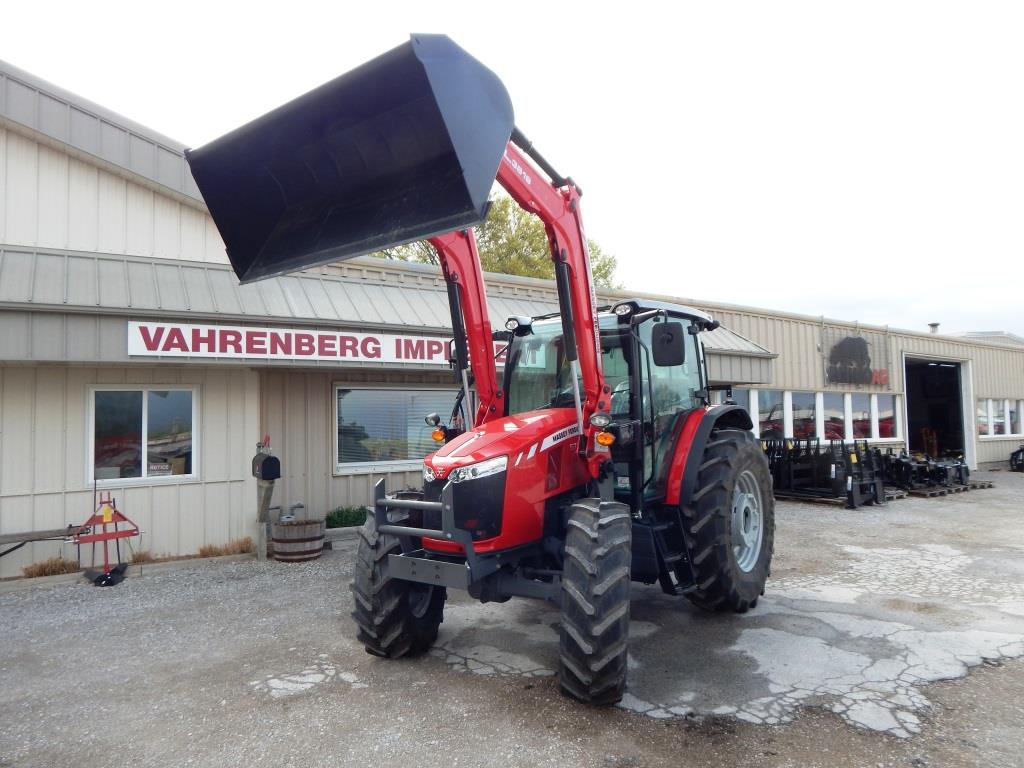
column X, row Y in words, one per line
column 241, row 341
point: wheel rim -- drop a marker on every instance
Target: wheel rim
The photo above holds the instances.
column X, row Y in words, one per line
column 419, row 599
column 747, row 521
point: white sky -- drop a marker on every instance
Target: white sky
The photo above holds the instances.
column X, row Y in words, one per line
column 864, row 160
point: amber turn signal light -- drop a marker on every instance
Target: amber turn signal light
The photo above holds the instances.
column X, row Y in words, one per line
column 438, row 435
column 605, row 438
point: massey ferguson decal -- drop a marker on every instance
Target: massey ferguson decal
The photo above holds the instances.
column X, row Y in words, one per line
column 240, row 341
column 860, row 358
column 558, row 437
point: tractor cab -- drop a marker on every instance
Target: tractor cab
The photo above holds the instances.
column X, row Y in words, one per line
column 654, row 369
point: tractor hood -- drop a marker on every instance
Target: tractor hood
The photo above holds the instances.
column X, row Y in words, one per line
column 522, row 438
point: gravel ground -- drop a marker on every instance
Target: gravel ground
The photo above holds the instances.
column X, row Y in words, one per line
column 254, row 663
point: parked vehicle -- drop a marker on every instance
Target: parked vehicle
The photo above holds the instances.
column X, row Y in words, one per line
column 597, row 460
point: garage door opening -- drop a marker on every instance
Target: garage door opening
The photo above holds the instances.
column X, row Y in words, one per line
column 935, row 418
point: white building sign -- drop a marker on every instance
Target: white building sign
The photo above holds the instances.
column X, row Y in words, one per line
column 248, row 342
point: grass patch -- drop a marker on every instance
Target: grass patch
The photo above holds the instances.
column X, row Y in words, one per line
column 235, row 547
column 52, row 567
column 142, row 556
column 346, row 517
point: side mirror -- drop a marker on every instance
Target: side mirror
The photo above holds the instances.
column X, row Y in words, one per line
column 668, row 344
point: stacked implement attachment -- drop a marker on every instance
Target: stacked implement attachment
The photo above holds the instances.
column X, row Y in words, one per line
column 1017, row 460
column 803, row 469
column 924, row 476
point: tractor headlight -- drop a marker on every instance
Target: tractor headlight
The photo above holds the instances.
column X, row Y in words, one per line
column 478, row 470
column 428, row 473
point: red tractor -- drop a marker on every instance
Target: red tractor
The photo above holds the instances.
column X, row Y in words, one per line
column 596, row 461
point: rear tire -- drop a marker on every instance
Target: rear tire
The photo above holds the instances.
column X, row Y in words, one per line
column 595, row 601
column 730, row 523
column 394, row 618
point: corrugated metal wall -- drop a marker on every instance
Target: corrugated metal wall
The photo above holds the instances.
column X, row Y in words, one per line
column 52, row 200
column 43, row 450
column 297, row 411
column 994, row 370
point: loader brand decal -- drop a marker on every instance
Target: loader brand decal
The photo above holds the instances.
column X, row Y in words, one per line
column 521, row 172
column 240, row 341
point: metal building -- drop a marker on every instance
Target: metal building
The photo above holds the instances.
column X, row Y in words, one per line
column 132, row 361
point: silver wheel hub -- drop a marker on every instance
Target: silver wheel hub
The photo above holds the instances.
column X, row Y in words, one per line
column 747, row 521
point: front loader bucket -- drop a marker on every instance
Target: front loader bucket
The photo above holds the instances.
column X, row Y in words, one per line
column 402, row 148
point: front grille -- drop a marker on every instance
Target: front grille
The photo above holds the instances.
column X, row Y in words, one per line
column 478, row 505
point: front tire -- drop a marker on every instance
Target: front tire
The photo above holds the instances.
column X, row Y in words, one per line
column 393, row 617
column 730, row 523
column 595, row 601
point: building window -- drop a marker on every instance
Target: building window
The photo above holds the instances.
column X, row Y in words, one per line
column 142, row 433
column 741, row 397
column 886, row 416
column 771, row 413
column 860, row 407
column 1015, row 410
column 982, row 418
column 386, row 426
column 998, row 417
column 835, row 416
column 805, row 422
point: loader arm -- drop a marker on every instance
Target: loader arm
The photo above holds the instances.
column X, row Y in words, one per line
column 556, row 201
column 460, row 264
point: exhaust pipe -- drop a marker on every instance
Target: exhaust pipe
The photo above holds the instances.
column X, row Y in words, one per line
column 400, row 149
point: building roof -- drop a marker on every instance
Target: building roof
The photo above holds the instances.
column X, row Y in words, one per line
column 77, row 125
column 365, row 293
column 999, row 336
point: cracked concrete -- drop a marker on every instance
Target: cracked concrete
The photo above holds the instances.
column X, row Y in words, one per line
column 861, row 639
column 256, row 663
column 320, row 671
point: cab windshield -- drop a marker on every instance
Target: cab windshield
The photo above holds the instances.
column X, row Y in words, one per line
column 537, row 372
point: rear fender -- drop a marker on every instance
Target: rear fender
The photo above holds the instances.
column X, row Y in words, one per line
column 689, row 448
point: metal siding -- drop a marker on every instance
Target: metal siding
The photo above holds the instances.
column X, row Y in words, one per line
column 51, row 200
column 112, row 284
column 89, row 128
column 48, row 337
column 3, row 185
column 22, row 181
column 169, row 287
column 212, row 244
column 16, row 275
column 200, row 297
column 52, row 219
column 166, row 228
column 139, row 217
column 83, row 206
column 85, row 132
column 224, row 286
column 43, row 434
column 14, row 338
column 273, row 297
column 114, row 145
column 295, row 298
column 19, row 102
column 17, row 430
column 193, row 233
column 112, row 218
column 142, row 285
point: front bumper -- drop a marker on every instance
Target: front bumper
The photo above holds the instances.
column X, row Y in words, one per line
column 418, row 564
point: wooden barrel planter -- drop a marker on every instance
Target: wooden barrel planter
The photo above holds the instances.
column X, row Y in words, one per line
column 298, row 540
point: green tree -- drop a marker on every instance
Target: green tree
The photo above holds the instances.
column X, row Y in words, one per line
column 512, row 242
